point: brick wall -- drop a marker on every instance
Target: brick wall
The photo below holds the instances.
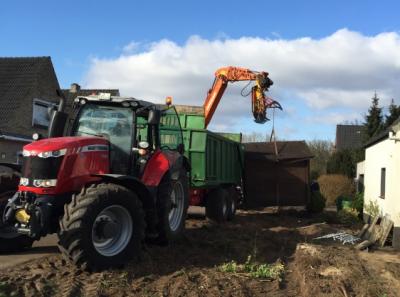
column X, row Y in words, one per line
column 9, row 150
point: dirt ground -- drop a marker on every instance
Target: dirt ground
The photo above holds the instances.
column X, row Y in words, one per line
column 192, row 266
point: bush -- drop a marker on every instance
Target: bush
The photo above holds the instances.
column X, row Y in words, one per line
column 372, row 208
column 335, row 185
column 358, row 202
column 348, row 216
column 345, row 161
column 316, row 203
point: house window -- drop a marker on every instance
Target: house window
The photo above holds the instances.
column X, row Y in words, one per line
column 360, row 183
column 3, row 156
column 40, row 114
column 383, row 182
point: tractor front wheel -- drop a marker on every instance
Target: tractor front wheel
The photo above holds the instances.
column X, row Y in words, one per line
column 102, row 227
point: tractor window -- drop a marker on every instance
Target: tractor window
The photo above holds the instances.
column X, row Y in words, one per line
column 170, row 130
column 113, row 123
column 142, row 129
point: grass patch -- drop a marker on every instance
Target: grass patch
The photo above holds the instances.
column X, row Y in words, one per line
column 273, row 271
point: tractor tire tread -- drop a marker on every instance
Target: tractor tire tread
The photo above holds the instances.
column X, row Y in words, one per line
column 73, row 223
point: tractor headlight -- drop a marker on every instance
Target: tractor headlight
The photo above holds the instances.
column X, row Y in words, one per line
column 44, row 183
column 52, row 154
column 26, row 153
column 23, row 181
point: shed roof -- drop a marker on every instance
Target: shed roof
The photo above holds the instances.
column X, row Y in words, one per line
column 287, row 150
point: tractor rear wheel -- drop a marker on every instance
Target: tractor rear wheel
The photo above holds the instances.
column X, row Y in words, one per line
column 217, row 205
column 102, row 227
column 10, row 241
column 172, row 206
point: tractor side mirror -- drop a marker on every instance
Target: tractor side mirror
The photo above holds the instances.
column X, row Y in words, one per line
column 57, row 124
column 154, row 117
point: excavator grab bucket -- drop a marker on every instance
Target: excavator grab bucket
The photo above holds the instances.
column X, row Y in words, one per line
column 260, row 102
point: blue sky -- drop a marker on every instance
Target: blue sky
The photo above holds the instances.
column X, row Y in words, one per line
column 81, row 36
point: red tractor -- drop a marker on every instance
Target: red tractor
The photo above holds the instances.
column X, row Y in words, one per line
column 118, row 178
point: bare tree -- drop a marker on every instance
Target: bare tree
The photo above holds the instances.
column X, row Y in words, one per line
column 255, row 137
column 322, row 150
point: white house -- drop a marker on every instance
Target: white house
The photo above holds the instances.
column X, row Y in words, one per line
column 380, row 173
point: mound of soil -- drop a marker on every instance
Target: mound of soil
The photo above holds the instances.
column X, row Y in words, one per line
column 191, row 266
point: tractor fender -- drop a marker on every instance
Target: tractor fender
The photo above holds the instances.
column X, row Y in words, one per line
column 145, row 194
column 176, row 168
column 161, row 163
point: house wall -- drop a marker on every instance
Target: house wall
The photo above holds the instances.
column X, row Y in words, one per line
column 9, row 150
column 384, row 154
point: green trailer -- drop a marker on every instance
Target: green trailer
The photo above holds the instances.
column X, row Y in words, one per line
column 216, row 161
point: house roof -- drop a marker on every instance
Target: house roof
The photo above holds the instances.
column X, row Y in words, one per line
column 349, row 136
column 382, row 135
column 287, row 150
column 21, row 80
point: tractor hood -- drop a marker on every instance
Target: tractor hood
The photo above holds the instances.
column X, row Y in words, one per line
column 59, row 143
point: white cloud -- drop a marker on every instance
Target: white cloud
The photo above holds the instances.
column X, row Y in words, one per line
column 340, row 70
column 131, row 48
column 333, row 118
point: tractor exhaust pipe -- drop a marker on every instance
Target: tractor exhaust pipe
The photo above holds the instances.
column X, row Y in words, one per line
column 58, row 118
column 61, row 104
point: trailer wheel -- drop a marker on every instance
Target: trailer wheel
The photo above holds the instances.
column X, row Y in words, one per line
column 172, row 206
column 217, row 205
column 102, row 227
column 10, row 241
column 232, row 203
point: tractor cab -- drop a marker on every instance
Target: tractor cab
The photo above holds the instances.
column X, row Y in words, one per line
column 133, row 128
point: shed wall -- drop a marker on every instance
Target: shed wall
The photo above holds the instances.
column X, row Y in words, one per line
column 269, row 183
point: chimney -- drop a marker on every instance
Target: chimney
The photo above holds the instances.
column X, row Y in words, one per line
column 75, row 88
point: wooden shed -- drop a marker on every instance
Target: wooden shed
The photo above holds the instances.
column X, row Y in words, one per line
column 277, row 175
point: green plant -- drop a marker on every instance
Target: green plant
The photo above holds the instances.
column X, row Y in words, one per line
column 269, row 271
column 317, row 202
column 230, row 267
column 4, row 289
column 252, row 269
column 358, row 202
column 49, row 288
column 372, row 208
column 344, row 162
column 348, row 216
